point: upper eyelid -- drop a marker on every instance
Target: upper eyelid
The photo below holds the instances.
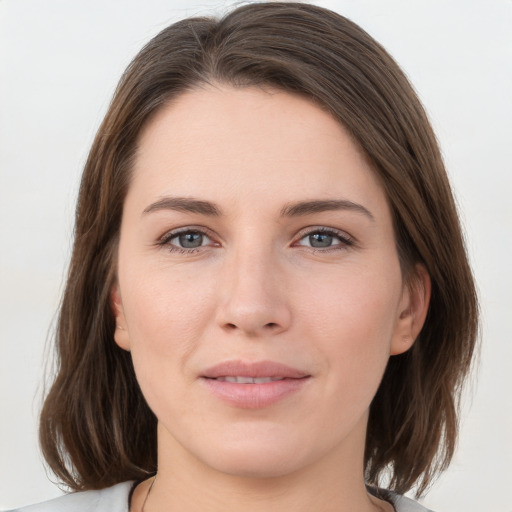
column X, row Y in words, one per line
column 323, row 229
column 172, row 233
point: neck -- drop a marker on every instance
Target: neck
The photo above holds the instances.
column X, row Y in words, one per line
column 186, row 484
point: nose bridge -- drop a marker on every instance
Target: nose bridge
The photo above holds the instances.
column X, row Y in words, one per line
column 253, row 300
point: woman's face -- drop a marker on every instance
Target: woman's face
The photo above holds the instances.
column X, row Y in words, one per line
column 256, row 243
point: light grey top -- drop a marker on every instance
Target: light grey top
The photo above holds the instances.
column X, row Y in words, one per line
column 115, row 499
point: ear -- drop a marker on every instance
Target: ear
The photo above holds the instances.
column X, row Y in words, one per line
column 121, row 333
column 412, row 310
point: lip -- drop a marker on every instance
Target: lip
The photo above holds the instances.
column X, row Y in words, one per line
column 256, row 369
column 257, row 395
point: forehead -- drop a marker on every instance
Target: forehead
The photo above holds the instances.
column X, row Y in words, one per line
column 247, row 142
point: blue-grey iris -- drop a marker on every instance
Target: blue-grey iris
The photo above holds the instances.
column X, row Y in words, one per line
column 320, row 240
column 190, row 240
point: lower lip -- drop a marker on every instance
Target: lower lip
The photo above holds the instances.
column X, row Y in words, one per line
column 254, row 396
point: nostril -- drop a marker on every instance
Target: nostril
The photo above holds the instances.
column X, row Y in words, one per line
column 271, row 325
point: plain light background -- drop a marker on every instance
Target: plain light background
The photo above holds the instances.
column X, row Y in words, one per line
column 59, row 63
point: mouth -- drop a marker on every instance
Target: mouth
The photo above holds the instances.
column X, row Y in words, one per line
column 248, row 372
column 253, row 385
column 248, row 380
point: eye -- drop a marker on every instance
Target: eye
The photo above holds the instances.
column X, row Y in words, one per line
column 323, row 238
column 189, row 240
column 186, row 240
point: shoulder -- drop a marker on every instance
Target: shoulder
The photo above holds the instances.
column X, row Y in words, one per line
column 112, row 499
column 399, row 502
column 403, row 504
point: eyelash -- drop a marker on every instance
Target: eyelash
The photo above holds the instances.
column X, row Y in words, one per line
column 345, row 239
column 165, row 240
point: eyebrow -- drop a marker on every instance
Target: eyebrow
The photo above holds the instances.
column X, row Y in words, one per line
column 297, row 209
column 316, row 206
column 184, row 204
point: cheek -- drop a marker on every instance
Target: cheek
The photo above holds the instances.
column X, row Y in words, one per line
column 166, row 316
column 162, row 304
column 352, row 318
column 358, row 306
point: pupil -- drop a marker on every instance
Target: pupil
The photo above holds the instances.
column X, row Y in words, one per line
column 320, row 240
column 191, row 240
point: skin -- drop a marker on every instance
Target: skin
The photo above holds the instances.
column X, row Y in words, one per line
column 256, row 289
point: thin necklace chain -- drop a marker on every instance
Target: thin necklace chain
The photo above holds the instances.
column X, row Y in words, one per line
column 153, row 483
column 147, row 494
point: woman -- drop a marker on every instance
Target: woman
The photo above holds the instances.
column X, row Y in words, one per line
column 269, row 304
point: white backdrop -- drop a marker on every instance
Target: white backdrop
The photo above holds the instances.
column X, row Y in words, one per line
column 59, row 63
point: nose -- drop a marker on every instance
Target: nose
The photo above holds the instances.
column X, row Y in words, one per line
column 254, row 299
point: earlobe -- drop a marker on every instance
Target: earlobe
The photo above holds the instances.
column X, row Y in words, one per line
column 120, row 334
column 412, row 311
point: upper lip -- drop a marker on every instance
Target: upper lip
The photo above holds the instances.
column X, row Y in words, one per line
column 259, row 369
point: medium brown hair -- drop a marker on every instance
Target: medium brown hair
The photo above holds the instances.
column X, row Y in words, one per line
column 96, row 428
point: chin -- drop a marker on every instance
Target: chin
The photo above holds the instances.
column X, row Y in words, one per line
column 267, row 455
column 255, row 464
